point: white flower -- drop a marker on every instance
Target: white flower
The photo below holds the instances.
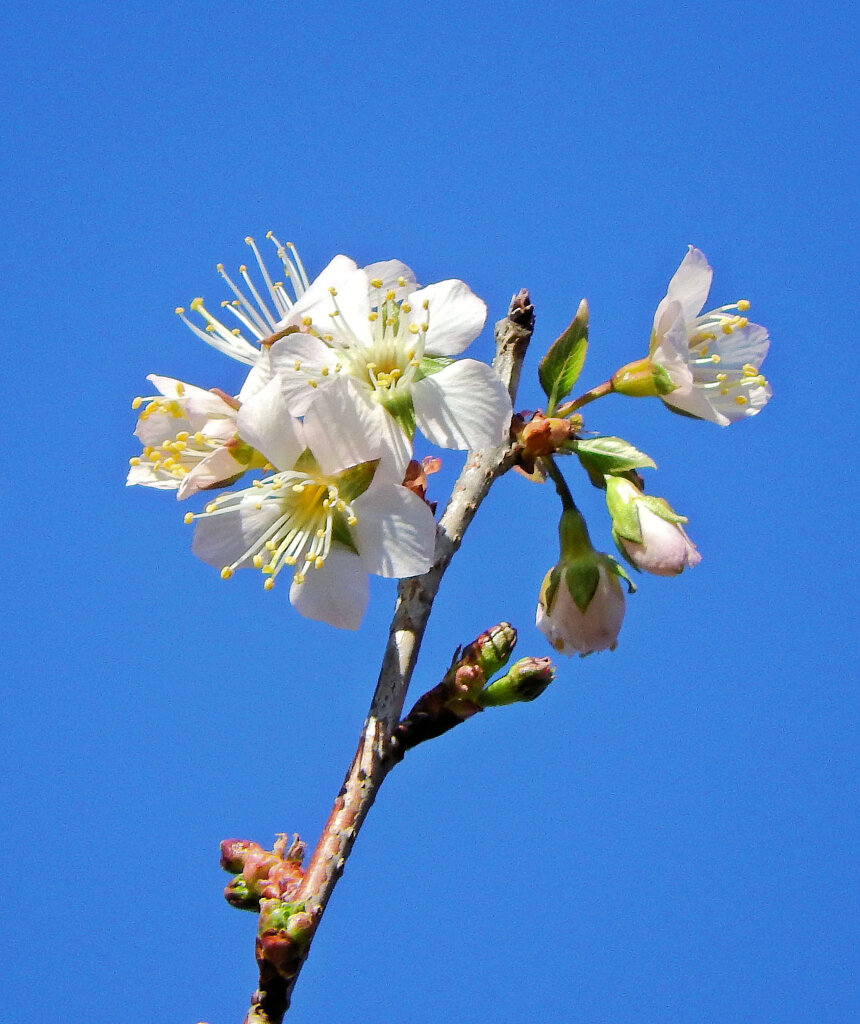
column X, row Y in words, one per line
column 648, row 531
column 189, row 439
column 712, row 359
column 568, row 628
column 382, row 345
column 328, row 514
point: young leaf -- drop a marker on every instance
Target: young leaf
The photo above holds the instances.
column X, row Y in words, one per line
column 560, row 368
column 611, row 455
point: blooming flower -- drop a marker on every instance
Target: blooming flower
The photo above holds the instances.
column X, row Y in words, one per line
column 189, row 439
column 712, row 359
column 325, row 512
column 647, row 531
column 378, row 342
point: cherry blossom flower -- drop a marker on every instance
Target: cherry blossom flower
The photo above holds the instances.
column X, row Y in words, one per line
column 379, row 343
column 647, row 530
column 712, row 358
column 189, row 439
column 325, row 512
column 571, row 629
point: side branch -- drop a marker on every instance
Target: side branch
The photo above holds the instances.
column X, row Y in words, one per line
column 372, row 760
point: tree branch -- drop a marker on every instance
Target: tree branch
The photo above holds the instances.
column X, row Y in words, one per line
column 372, row 760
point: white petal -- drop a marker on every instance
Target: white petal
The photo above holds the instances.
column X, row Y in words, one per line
column 313, row 356
column 691, row 283
column 221, row 540
column 316, row 301
column 396, row 450
column 159, row 427
column 337, row 594
column 217, row 468
column 389, row 272
column 464, row 406
column 726, row 409
column 264, row 423
column 145, row 475
column 259, row 377
column 343, row 427
column 395, row 532
column 455, row 316
column 744, row 345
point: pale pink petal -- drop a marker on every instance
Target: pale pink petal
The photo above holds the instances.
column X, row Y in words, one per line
column 337, row 593
column 159, row 427
column 264, row 423
column 455, row 316
column 691, row 283
column 395, row 533
column 464, row 406
column 259, row 377
column 344, row 426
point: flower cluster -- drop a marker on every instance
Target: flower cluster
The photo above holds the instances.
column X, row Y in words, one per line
column 703, row 365
column 343, row 371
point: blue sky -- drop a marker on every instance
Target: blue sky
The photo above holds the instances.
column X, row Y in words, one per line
column 668, row 834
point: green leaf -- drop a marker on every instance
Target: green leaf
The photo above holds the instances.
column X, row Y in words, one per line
column 560, row 368
column 611, row 455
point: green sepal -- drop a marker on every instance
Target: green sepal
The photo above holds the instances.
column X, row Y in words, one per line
column 525, row 681
column 609, row 455
column 244, row 454
column 550, row 588
column 239, row 895
column 341, row 532
column 660, row 507
column 399, row 405
column 625, row 518
column 560, row 368
column 354, row 481
column 581, row 578
column 613, row 566
column 430, row 365
column 662, row 381
column 306, row 463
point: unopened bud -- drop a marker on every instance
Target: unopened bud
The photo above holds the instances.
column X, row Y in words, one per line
column 524, row 681
column 492, row 649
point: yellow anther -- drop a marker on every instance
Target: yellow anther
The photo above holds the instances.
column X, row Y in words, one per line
column 414, row 362
column 257, row 483
column 136, row 403
column 728, row 328
column 243, row 269
column 270, row 234
column 199, row 437
column 219, row 267
column 401, row 281
column 750, row 370
column 320, row 534
column 297, row 488
column 413, row 328
column 406, row 307
column 716, row 358
column 395, row 373
column 290, row 560
column 147, row 451
column 324, row 371
column 182, row 435
column 335, row 313
column 332, row 291
column 269, row 468
column 180, row 389
column 269, row 583
column 297, row 365
column 426, row 304
column 179, row 310
column 372, row 316
column 268, row 570
column 226, row 572
column 276, row 484
column 257, row 561
column 212, row 506
column 338, row 367
column 742, row 322
column 740, row 400
column 312, row 383
column 389, row 296
column 376, row 282
column 307, row 321
column 743, row 305
column 188, row 518
column 328, row 337
column 424, row 326
column 236, row 332
column 271, row 546
column 722, row 376
column 299, row 578
column 249, row 240
column 319, row 562
column 197, row 304
column 351, row 520
column 134, row 460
